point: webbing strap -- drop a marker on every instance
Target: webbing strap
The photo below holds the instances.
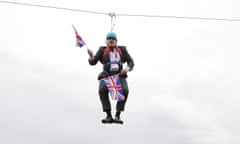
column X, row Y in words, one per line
column 108, row 63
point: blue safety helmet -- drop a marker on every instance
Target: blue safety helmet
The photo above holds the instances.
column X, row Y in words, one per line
column 111, row 35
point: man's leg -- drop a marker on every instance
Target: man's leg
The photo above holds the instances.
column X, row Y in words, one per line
column 106, row 106
column 121, row 104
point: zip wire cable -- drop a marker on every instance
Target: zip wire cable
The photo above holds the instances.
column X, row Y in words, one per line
column 53, row 7
column 180, row 17
column 129, row 15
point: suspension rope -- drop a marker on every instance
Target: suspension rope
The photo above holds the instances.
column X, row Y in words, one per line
column 113, row 20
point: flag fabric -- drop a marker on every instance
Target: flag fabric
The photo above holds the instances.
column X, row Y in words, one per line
column 79, row 40
column 114, row 87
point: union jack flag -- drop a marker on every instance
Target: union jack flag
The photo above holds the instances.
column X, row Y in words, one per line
column 79, row 39
column 114, row 86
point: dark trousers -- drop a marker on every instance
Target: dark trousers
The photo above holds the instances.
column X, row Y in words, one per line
column 104, row 97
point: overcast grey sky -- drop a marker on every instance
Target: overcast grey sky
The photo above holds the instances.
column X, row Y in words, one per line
column 184, row 88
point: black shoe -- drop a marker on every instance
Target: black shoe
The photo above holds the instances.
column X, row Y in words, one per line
column 118, row 120
column 107, row 120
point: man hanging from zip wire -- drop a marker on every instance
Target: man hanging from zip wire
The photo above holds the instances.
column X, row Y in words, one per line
column 114, row 73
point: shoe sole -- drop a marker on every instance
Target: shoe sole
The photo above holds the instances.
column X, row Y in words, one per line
column 117, row 122
column 107, row 122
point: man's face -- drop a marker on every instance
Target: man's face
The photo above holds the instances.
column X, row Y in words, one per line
column 111, row 42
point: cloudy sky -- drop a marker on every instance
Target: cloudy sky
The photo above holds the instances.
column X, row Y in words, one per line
column 184, row 88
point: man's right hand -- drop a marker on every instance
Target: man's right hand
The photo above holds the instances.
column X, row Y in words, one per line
column 90, row 52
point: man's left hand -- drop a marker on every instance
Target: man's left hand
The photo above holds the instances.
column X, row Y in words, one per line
column 124, row 71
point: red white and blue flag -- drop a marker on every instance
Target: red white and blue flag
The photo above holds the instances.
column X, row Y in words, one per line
column 79, row 40
column 114, row 87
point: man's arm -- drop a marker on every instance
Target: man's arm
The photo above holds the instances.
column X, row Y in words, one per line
column 128, row 59
column 94, row 59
